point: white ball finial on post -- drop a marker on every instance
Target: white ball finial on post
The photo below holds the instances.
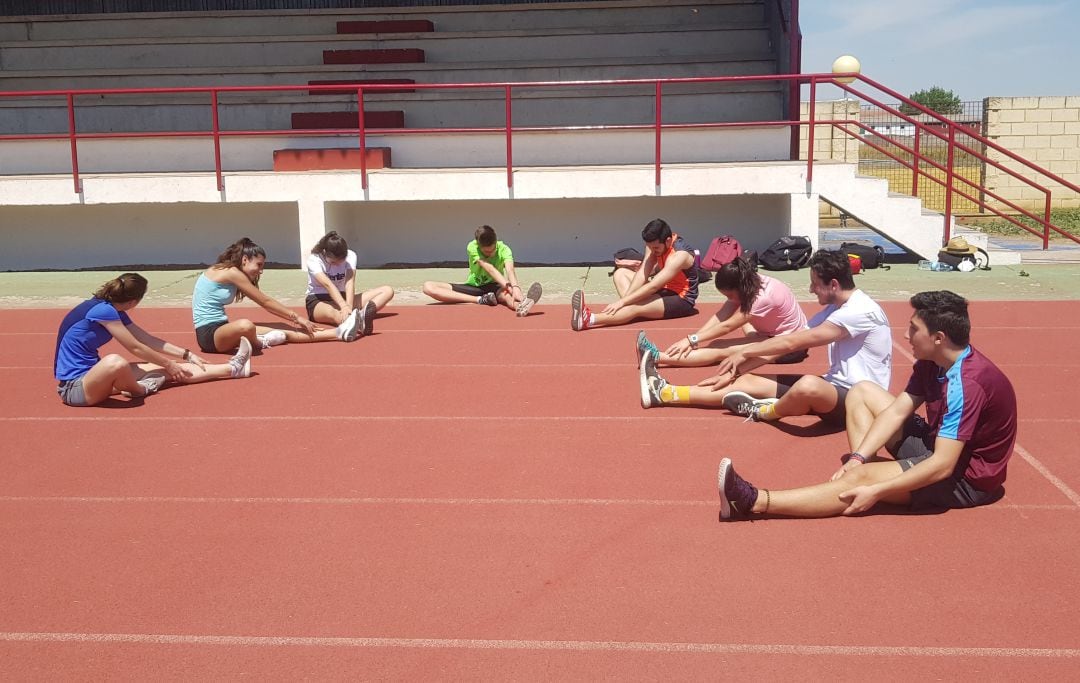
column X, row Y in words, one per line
column 846, row 64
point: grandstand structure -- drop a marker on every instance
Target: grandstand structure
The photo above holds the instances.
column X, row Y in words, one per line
column 156, row 138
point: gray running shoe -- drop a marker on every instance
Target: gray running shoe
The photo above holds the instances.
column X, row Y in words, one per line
column 742, row 403
column 644, row 346
column 150, row 382
column 651, row 383
column 488, row 299
column 531, row 297
column 367, row 319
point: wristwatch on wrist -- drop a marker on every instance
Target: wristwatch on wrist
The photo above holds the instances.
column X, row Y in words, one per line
column 693, row 339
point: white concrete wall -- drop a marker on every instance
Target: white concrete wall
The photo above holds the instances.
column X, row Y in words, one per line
column 556, row 215
column 561, row 148
column 551, row 230
column 80, row 236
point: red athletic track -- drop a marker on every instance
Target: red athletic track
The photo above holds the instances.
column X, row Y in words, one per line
column 469, row 495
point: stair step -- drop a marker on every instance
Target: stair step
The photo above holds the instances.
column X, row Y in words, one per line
column 348, row 119
column 409, row 55
column 330, row 159
column 354, row 83
column 387, row 26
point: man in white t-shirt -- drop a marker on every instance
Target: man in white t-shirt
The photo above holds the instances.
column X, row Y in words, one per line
column 853, row 328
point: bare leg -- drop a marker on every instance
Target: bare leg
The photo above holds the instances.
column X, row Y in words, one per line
column 211, row 371
column 809, row 395
column 652, row 309
column 110, row 375
column 621, row 278
column 865, row 401
column 381, row 295
column 298, row 337
column 328, row 313
column 227, row 337
column 712, row 354
column 823, row 500
column 441, row 291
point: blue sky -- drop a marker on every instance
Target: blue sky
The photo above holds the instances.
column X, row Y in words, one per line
column 976, row 48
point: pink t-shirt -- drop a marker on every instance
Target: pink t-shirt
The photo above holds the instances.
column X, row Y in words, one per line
column 775, row 310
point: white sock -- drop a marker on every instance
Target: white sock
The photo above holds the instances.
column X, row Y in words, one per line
column 592, row 318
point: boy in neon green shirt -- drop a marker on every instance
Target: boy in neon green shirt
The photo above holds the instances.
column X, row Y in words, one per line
column 492, row 279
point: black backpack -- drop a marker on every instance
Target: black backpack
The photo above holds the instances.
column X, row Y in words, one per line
column 786, row 253
column 872, row 256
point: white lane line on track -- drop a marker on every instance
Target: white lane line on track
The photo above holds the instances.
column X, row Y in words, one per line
column 547, row 645
column 552, row 502
column 1050, row 476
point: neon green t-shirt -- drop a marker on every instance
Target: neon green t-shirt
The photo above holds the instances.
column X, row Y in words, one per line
column 477, row 275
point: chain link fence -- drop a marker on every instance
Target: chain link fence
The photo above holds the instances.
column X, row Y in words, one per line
column 894, row 133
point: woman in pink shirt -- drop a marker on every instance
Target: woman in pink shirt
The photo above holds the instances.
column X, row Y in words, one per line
column 758, row 305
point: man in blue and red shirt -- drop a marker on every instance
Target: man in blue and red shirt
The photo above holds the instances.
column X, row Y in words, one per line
column 955, row 458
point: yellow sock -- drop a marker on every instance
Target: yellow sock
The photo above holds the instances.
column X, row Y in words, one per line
column 768, row 412
column 673, row 394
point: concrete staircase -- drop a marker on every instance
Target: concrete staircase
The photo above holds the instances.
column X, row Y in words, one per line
column 899, row 218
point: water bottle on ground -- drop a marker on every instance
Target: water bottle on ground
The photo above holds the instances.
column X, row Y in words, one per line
column 935, row 266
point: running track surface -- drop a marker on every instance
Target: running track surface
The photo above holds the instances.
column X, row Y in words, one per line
column 469, row 495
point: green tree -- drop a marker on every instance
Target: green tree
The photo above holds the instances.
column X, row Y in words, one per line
column 944, row 102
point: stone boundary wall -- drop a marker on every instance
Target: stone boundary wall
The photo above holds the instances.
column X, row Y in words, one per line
column 829, row 142
column 1043, row 130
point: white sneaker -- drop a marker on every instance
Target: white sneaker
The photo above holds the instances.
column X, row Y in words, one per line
column 347, row 330
column 150, row 382
column 240, row 363
column 272, row 338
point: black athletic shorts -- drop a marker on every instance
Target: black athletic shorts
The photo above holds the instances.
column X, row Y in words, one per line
column 477, row 290
column 836, row 416
column 205, row 336
column 312, row 299
column 674, row 305
column 916, row 445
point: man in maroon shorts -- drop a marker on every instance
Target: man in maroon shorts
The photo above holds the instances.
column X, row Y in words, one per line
column 956, row 458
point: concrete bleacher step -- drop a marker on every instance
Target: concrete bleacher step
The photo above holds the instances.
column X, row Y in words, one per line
column 407, row 55
column 358, row 82
column 330, row 159
column 347, row 119
column 576, row 69
column 387, row 26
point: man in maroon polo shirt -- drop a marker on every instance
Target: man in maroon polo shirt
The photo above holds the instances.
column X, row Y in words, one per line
column 955, row 458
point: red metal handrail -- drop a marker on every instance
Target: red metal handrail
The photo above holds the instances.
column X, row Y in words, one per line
column 794, row 80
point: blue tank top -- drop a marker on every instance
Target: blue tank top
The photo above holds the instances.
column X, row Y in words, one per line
column 209, row 300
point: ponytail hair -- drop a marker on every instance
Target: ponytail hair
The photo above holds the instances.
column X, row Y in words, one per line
column 741, row 276
column 120, row 290
column 332, row 245
column 234, row 255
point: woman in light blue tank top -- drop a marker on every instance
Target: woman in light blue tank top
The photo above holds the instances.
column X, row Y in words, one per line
column 233, row 276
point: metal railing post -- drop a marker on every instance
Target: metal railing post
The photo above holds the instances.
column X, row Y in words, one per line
column 949, row 180
column 658, row 96
column 362, row 138
column 74, row 144
column 916, row 153
column 509, row 142
column 811, row 116
column 1046, row 222
column 217, row 139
